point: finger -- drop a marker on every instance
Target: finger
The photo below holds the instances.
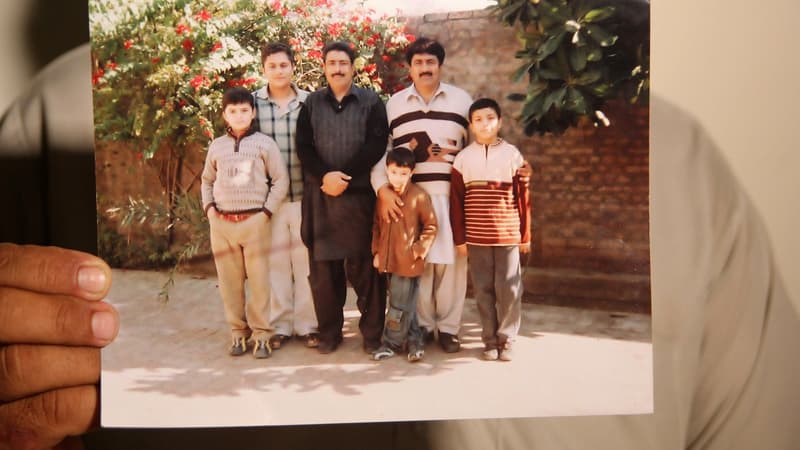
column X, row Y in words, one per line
column 29, row 369
column 54, row 270
column 44, row 420
column 34, row 318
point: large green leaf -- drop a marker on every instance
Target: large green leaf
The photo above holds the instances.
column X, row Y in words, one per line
column 598, row 15
column 589, row 77
column 601, row 36
column 554, row 98
column 521, row 70
column 578, row 56
column 550, row 46
column 576, row 102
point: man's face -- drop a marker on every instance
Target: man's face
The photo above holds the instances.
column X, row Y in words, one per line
column 278, row 70
column 485, row 125
column 339, row 70
column 398, row 176
column 239, row 116
column 425, row 71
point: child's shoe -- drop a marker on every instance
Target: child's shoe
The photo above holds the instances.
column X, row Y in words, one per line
column 415, row 355
column 382, row 352
column 262, row 350
column 490, row 354
column 239, row 347
column 506, row 353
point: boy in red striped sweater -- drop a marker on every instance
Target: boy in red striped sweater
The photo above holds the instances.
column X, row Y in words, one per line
column 490, row 217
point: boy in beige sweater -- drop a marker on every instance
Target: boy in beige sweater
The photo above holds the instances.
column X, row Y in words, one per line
column 244, row 181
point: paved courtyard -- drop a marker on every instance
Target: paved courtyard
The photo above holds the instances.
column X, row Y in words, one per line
column 169, row 367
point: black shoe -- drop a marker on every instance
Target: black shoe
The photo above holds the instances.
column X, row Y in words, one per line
column 238, row 347
column 277, row 340
column 449, row 342
column 262, row 350
column 371, row 347
column 326, row 346
column 427, row 336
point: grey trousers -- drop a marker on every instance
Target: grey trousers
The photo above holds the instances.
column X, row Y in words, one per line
column 497, row 282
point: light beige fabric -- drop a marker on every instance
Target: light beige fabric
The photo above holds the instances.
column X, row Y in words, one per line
column 724, row 331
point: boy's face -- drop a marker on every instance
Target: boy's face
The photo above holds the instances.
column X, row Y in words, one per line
column 485, row 125
column 398, row 176
column 339, row 70
column 239, row 116
column 278, row 70
column 424, row 71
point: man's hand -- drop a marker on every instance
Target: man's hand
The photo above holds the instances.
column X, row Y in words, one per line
column 525, row 248
column 376, row 263
column 52, row 325
column 461, row 250
column 389, row 204
column 335, row 182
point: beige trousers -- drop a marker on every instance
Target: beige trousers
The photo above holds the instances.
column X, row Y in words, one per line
column 291, row 304
column 442, row 289
column 241, row 252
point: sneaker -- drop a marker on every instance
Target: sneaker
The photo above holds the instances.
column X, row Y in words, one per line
column 382, row 352
column 371, row 347
column 277, row 341
column 238, row 347
column 490, row 354
column 416, row 355
column 311, row 340
column 506, row 353
column 449, row 342
column 262, row 350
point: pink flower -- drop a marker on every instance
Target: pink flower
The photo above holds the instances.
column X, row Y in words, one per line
column 370, row 68
column 314, row 54
column 386, row 58
column 187, row 44
column 203, row 16
column 197, row 82
column 155, row 60
column 97, row 76
column 128, row 44
column 216, row 46
column 411, row 38
column 276, row 5
column 111, row 65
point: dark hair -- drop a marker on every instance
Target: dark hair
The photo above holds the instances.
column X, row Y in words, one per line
column 425, row 45
column 401, row 157
column 339, row 46
column 482, row 103
column 270, row 48
column 236, row 96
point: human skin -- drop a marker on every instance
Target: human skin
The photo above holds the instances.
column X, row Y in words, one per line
column 53, row 323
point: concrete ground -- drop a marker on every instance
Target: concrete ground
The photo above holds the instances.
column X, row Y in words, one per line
column 169, row 367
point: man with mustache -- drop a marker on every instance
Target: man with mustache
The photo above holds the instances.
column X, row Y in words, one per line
column 429, row 117
column 341, row 134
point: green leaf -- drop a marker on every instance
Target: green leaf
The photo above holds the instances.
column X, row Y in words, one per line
column 522, row 70
column 516, row 97
column 594, row 54
column 576, row 101
column 578, row 56
column 601, row 36
column 549, row 74
column 598, row 15
column 554, row 98
column 588, row 77
column 550, row 45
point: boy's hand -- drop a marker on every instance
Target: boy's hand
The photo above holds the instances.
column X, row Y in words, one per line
column 52, row 325
column 334, row 183
column 389, row 204
column 461, row 250
column 376, row 263
column 525, row 171
column 525, row 248
column 212, row 211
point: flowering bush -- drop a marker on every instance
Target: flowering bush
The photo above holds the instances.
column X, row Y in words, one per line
column 160, row 66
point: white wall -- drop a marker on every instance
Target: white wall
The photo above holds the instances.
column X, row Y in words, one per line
column 15, row 68
column 734, row 65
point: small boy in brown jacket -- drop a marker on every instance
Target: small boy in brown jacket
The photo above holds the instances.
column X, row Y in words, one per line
column 399, row 248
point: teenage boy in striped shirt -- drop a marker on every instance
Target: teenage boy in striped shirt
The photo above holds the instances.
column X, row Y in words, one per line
column 490, row 216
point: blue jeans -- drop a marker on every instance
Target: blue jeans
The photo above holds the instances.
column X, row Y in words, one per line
column 401, row 319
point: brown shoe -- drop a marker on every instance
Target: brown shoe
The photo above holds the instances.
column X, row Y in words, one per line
column 276, row 341
column 311, row 340
column 449, row 342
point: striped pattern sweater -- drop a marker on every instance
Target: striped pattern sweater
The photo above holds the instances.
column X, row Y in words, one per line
column 489, row 203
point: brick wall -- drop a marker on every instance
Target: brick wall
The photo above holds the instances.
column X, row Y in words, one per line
column 590, row 188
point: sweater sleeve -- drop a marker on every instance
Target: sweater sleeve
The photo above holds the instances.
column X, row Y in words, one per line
column 522, row 196
column 457, row 220
column 207, row 180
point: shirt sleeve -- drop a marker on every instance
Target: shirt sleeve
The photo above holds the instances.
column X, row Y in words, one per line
column 306, row 149
column 277, row 172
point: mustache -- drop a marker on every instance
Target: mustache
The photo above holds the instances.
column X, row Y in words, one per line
column 422, row 74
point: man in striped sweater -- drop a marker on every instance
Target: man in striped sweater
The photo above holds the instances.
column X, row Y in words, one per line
column 430, row 118
column 490, row 215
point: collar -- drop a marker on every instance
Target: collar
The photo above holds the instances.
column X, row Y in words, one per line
column 413, row 92
column 249, row 131
column 263, row 93
column 354, row 91
column 497, row 142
